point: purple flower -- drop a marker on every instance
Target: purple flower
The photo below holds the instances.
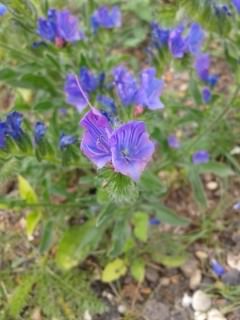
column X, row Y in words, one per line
column 177, row 44
column 66, row 140
column 105, row 17
column 159, row 36
column 77, row 89
column 236, row 4
column 131, row 149
column 14, row 122
column 95, row 142
column 74, row 94
column 39, row 131
column 154, row 221
column 195, row 38
column 150, row 90
column 206, row 95
column 173, row 142
column 125, row 84
column 202, row 65
column 59, row 27
column 3, row 132
column 217, row 268
column 3, row 9
column 236, row 206
column 200, row 157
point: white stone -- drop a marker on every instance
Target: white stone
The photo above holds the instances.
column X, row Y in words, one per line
column 212, row 185
column 233, row 261
column 87, row 315
column 215, row 314
column 200, row 315
column 122, row 309
column 201, row 301
column 186, row 300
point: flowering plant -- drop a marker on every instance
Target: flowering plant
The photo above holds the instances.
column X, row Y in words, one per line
column 92, row 128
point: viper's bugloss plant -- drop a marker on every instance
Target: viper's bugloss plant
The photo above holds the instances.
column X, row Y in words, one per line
column 107, row 110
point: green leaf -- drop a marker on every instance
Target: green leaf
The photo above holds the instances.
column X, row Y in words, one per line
column 26, row 191
column 169, row 261
column 140, row 222
column 194, row 90
column 137, row 269
column 32, row 220
column 120, row 236
column 47, row 236
column 19, row 298
column 166, row 215
column 114, row 270
column 219, row 169
column 77, row 243
column 197, row 186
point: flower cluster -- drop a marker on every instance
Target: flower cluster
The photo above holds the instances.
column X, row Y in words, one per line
column 128, row 147
column 107, row 18
column 60, row 27
column 11, row 127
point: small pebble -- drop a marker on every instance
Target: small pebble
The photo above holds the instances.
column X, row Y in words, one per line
column 152, row 275
column 215, row 314
column 195, row 279
column 201, row 301
column 201, row 255
column 233, row 261
column 186, row 300
column 165, row 282
column 87, row 315
column 212, row 185
column 200, row 315
column 122, row 309
column 189, row 267
column 231, row 277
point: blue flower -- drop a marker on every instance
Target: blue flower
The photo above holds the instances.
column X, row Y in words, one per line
column 39, row 131
column 236, row 4
column 222, row 10
column 88, row 81
column 3, row 9
column 154, row 221
column 200, row 157
column 131, row 149
column 217, row 268
column 150, row 90
column 173, row 142
column 109, row 107
column 206, row 95
column 159, row 36
column 125, row 84
column 3, row 132
column 14, row 122
column 195, row 38
column 177, row 44
column 236, row 206
column 202, row 66
column 212, row 80
column 66, row 140
column 107, row 18
column 59, row 27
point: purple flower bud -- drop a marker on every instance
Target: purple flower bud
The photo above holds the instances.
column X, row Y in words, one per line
column 195, row 38
column 222, row 10
column 212, row 80
column 217, row 268
column 3, row 9
column 3, row 132
column 236, row 206
column 95, row 141
column 159, row 36
column 39, row 131
column 37, row 44
column 108, row 104
column 173, row 142
column 200, row 157
column 154, row 221
column 177, row 44
column 14, row 122
column 105, row 17
column 236, row 4
column 206, row 95
column 202, row 64
column 66, row 140
column 150, row 89
column 125, row 84
column 131, row 149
